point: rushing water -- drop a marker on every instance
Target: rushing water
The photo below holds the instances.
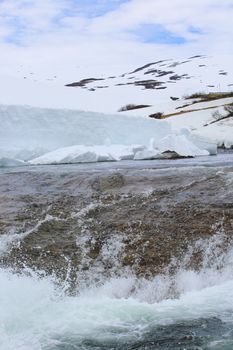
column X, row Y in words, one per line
column 36, row 314
column 188, row 310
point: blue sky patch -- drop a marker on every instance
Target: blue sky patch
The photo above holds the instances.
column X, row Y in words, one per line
column 17, row 28
column 157, row 34
column 195, row 30
column 93, row 8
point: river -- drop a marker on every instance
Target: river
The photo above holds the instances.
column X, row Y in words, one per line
column 128, row 255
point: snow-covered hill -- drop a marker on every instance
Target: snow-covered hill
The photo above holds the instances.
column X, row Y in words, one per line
column 160, row 84
column 151, row 83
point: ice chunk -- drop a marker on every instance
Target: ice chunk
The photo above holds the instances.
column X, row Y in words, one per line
column 147, row 154
column 181, row 145
column 204, row 143
column 121, row 152
column 200, row 141
column 74, row 154
column 88, row 154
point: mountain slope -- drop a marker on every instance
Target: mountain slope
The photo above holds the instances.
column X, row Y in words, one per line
column 161, row 84
column 152, row 83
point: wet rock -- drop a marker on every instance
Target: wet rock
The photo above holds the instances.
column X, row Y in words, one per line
column 97, row 224
column 103, row 183
column 172, row 155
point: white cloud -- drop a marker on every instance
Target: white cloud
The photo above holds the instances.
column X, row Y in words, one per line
column 47, row 33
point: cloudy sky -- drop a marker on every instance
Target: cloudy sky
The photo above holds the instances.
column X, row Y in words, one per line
column 111, row 32
column 45, row 44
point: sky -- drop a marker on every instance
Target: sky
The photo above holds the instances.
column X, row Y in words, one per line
column 113, row 31
column 75, row 38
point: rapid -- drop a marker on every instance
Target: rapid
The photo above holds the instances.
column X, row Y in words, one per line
column 109, row 298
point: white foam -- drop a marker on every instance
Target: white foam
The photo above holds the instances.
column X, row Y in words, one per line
column 35, row 315
column 13, row 238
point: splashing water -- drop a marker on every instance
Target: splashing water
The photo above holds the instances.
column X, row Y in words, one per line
column 188, row 310
column 37, row 314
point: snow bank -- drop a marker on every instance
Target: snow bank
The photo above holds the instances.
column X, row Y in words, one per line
column 203, row 132
column 47, row 136
column 221, row 133
column 10, row 162
column 34, row 129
